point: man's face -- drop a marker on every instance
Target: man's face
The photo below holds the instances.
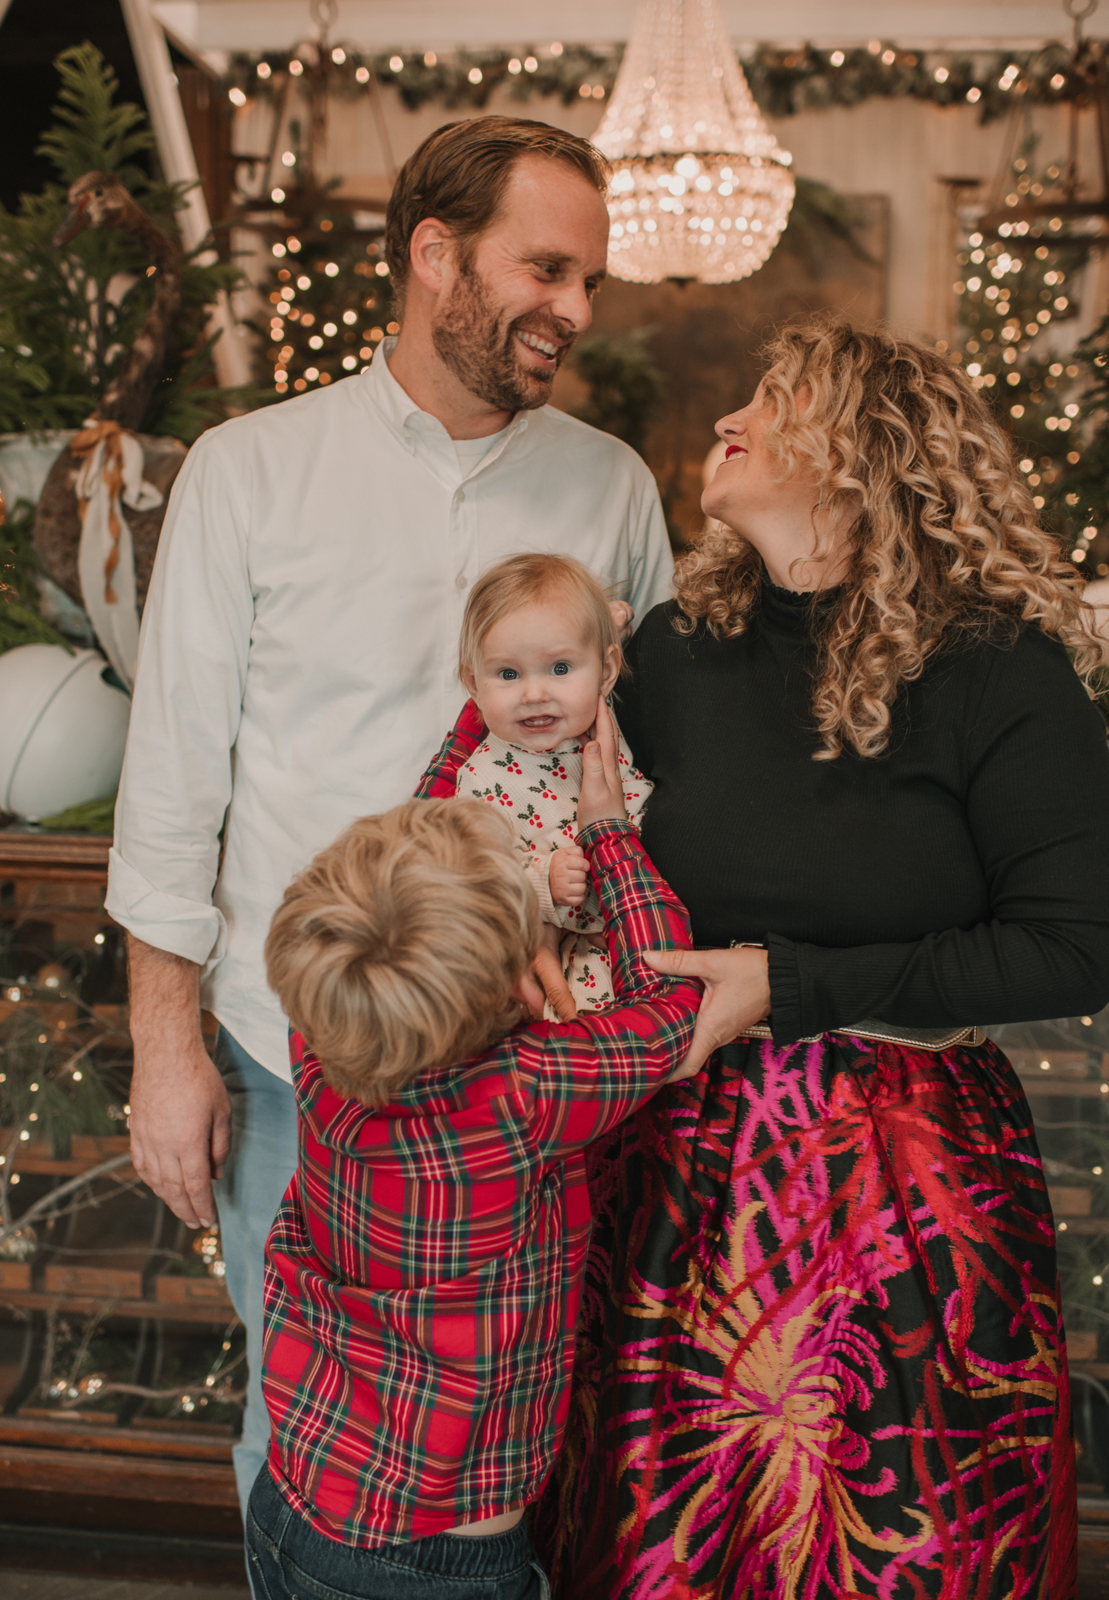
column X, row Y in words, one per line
column 522, row 294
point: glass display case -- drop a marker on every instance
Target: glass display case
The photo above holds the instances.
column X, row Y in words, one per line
column 121, row 1359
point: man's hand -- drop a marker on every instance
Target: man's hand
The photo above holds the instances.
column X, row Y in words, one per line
column 623, row 615
column 737, row 994
column 545, row 981
column 602, row 784
column 180, row 1112
column 568, row 875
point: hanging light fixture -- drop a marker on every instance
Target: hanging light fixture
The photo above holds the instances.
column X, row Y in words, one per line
column 700, row 189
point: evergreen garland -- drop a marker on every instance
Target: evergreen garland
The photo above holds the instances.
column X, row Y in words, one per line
column 783, row 81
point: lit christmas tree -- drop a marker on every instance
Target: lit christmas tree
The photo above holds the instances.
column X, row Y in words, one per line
column 330, row 305
column 1016, row 286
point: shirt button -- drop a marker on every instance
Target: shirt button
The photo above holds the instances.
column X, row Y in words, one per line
column 460, row 495
column 461, row 581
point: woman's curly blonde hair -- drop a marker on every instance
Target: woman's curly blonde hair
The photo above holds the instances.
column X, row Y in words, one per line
column 942, row 528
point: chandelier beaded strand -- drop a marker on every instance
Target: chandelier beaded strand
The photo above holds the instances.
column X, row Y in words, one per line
column 700, row 188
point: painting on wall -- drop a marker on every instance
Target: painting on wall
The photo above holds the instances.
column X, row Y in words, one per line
column 705, row 339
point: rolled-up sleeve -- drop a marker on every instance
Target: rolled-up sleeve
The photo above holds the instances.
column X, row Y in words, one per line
column 193, row 650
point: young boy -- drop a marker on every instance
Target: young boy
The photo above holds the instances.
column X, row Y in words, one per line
column 424, row 1270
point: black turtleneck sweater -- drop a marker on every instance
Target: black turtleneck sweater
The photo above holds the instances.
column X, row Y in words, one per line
column 962, row 877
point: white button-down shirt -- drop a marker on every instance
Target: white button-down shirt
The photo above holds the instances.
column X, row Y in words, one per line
column 298, row 659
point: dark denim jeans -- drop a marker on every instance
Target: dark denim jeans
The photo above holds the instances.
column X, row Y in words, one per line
column 289, row 1560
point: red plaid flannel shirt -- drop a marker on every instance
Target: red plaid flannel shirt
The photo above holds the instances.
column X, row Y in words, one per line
column 424, row 1271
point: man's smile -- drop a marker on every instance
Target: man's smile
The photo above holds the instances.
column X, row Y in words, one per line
column 545, row 349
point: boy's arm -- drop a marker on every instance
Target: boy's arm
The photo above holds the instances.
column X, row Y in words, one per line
column 578, row 1079
column 440, row 780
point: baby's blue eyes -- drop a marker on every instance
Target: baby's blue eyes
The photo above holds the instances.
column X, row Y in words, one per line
column 507, row 674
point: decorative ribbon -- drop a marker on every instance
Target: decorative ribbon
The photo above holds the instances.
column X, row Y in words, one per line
column 109, row 478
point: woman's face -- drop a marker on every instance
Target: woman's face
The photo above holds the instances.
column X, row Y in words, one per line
column 749, row 486
column 777, row 514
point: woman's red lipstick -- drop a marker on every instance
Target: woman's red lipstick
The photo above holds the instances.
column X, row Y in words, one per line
column 734, row 450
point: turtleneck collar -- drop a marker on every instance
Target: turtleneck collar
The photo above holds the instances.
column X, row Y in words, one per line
column 795, row 609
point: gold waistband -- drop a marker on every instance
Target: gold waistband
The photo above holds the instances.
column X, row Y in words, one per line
column 880, row 1032
column 889, row 1033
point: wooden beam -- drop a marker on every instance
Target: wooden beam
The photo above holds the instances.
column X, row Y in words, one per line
column 74, row 1432
column 206, row 1483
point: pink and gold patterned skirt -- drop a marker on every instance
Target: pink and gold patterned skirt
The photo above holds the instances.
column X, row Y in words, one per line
column 821, row 1352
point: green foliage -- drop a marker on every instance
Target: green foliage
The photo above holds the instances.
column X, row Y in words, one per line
column 1080, row 499
column 786, row 81
column 1015, row 289
column 38, row 1079
column 783, row 81
column 819, row 213
column 69, row 315
column 626, row 389
column 91, row 816
column 20, row 622
column 322, row 323
column 90, row 132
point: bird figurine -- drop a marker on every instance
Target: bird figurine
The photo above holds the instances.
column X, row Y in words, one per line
column 99, row 200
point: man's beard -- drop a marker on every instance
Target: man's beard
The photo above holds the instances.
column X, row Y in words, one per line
column 473, row 339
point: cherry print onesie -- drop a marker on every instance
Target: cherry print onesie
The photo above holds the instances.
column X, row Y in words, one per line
column 539, row 790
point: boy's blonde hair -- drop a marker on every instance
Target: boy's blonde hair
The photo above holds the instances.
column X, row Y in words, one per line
column 398, row 948
column 521, row 581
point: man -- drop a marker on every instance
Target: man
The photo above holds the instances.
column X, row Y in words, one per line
column 297, row 662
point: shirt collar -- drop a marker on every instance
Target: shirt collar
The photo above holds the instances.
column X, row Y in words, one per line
column 404, row 416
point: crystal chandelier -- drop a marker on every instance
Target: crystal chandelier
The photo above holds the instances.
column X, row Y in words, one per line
column 700, row 187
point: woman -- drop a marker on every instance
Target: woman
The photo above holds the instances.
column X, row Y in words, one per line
column 821, row 1352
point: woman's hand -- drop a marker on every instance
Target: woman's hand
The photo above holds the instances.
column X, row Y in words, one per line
column 737, row 994
column 568, row 875
column 602, row 785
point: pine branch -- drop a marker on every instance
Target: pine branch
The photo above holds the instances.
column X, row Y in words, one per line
column 90, row 132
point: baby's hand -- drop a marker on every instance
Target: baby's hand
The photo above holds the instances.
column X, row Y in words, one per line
column 569, row 876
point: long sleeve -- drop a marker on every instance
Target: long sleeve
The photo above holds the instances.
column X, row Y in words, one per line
column 176, row 781
column 580, row 1078
column 441, row 776
column 537, row 865
column 1037, row 793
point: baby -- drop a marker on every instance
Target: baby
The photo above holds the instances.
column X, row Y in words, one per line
column 539, row 644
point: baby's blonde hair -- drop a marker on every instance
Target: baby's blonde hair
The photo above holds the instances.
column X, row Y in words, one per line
column 398, row 948
column 522, row 580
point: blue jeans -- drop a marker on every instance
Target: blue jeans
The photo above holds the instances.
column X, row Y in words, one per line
column 289, row 1560
column 262, row 1160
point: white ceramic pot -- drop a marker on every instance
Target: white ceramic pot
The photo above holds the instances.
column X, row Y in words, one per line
column 62, row 730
